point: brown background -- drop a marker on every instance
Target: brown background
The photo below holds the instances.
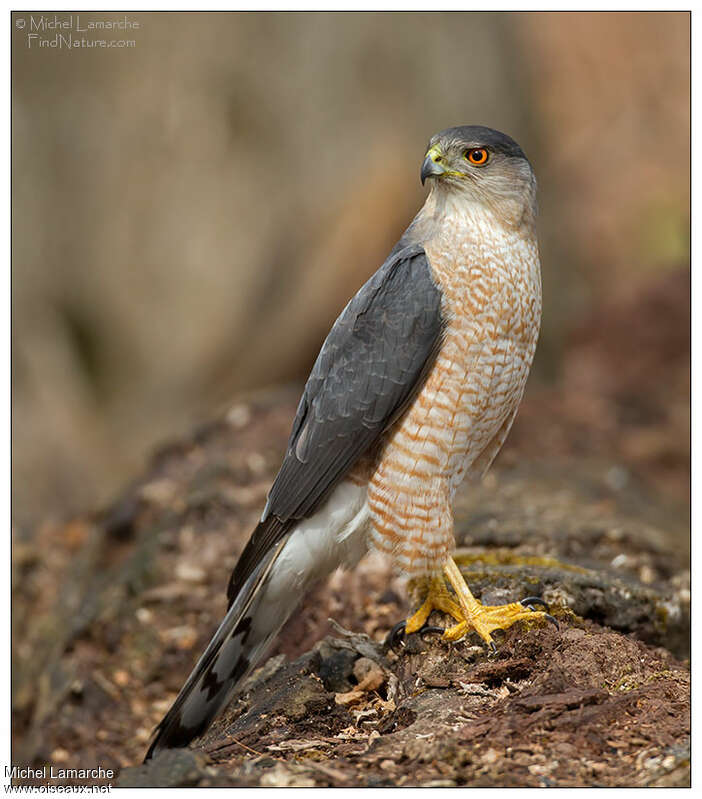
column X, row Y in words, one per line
column 189, row 216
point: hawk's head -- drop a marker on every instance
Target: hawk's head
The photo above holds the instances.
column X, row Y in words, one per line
column 482, row 164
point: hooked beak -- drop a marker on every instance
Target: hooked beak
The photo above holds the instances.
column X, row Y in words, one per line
column 432, row 166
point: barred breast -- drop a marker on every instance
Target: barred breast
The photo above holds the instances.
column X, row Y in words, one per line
column 492, row 306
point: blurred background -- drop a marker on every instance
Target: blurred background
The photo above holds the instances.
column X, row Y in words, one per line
column 190, row 214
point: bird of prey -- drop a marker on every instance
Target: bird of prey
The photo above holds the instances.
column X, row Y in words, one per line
column 415, row 387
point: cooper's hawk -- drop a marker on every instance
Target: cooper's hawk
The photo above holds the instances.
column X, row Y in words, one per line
column 415, row 387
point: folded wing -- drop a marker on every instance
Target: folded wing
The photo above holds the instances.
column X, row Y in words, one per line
column 369, row 369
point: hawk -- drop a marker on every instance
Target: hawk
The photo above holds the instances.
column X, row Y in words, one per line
column 415, row 388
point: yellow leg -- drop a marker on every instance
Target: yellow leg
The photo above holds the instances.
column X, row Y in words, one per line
column 467, row 611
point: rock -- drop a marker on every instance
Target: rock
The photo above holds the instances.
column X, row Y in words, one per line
column 335, row 667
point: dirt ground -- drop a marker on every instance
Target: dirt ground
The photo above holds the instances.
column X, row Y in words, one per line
column 111, row 609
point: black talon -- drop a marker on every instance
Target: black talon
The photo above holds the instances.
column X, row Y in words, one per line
column 430, row 629
column 530, row 601
column 552, row 620
column 493, row 647
column 395, row 636
column 533, row 600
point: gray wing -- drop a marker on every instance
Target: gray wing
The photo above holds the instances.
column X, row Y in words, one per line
column 370, row 367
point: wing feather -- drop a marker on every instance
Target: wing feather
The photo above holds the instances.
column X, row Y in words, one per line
column 370, row 367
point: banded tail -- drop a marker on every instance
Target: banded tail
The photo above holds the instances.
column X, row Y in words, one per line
column 333, row 536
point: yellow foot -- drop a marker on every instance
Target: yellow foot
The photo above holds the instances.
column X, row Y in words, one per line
column 470, row 614
column 438, row 598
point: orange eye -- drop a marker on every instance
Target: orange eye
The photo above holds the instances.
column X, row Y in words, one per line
column 478, row 156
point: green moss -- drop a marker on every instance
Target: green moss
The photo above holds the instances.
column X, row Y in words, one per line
column 506, row 557
column 664, row 674
column 627, row 682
